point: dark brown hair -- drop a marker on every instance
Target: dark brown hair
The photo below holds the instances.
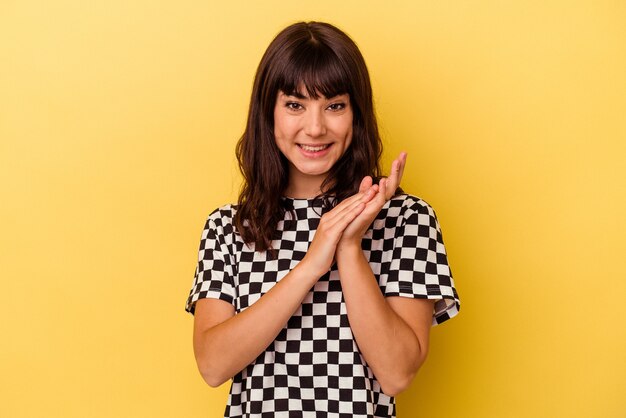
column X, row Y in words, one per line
column 326, row 62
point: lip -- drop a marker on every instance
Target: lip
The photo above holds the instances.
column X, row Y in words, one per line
column 314, row 154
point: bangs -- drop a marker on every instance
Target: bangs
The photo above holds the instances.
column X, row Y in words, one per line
column 313, row 71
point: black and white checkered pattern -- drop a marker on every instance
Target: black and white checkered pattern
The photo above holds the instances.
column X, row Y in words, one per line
column 314, row 367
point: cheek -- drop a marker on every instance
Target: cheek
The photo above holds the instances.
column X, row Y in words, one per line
column 279, row 122
column 348, row 138
column 341, row 128
column 348, row 127
column 348, row 132
column 284, row 128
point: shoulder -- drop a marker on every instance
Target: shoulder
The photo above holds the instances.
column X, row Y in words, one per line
column 221, row 219
column 404, row 205
column 406, row 211
column 223, row 213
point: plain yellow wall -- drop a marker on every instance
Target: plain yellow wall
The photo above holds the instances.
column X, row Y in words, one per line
column 118, row 121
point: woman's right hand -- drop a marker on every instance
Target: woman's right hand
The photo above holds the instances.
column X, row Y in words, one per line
column 320, row 256
column 225, row 342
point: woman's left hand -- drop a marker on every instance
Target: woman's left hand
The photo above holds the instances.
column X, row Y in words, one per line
column 384, row 191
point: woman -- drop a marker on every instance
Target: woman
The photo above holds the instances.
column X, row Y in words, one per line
column 316, row 293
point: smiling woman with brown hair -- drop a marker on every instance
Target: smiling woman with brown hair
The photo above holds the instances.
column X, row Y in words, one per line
column 317, row 291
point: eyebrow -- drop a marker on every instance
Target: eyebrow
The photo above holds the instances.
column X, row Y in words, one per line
column 301, row 96
column 296, row 94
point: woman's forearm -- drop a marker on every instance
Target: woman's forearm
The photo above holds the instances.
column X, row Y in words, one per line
column 224, row 349
column 228, row 347
column 391, row 348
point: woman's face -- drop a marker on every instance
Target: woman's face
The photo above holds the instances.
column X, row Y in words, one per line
column 312, row 134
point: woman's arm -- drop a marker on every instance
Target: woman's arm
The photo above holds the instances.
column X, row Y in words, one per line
column 392, row 333
column 225, row 343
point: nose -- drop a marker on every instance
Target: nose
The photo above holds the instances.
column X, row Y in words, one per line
column 314, row 124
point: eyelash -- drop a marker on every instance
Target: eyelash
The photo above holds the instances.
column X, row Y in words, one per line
column 335, row 107
column 293, row 106
column 340, row 105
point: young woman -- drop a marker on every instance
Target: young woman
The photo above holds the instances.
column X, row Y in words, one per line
column 317, row 291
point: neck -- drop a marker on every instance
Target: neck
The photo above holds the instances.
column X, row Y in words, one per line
column 304, row 187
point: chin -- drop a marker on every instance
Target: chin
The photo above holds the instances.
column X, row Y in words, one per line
column 314, row 171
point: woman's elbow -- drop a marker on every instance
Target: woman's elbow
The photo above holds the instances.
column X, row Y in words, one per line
column 212, row 374
column 394, row 385
column 397, row 385
column 214, row 382
column 212, row 379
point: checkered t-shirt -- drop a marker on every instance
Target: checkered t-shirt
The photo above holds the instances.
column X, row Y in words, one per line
column 314, row 367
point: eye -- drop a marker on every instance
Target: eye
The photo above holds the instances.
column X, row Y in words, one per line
column 337, row 106
column 293, row 105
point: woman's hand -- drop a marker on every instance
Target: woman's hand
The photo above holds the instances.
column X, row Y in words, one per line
column 397, row 170
column 321, row 254
column 391, row 332
column 348, row 221
column 225, row 342
column 354, row 232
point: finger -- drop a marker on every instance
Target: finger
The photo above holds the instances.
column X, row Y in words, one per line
column 370, row 194
column 342, row 222
column 403, row 156
column 339, row 221
column 373, row 207
column 333, row 227
column 397, row 170
column 366, row 183
column 378, row 201
column 383, row 189
column 366, row 195
column 355, row 198
column 346, row 205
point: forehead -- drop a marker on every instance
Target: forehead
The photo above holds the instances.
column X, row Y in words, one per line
column 313, row 81
column 303, row 94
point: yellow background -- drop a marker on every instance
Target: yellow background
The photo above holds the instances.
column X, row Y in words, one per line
column 118, row 121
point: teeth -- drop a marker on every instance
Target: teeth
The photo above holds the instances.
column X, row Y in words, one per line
column 314, row 149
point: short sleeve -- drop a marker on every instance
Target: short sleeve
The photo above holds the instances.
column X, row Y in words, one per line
column 213, row 277
column 419, row 263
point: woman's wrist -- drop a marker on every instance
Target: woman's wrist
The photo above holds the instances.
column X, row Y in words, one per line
column 350, row 244
column 307, row 267
column 348, row 249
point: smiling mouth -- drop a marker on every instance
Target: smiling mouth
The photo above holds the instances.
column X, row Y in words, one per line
column 316, row 148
